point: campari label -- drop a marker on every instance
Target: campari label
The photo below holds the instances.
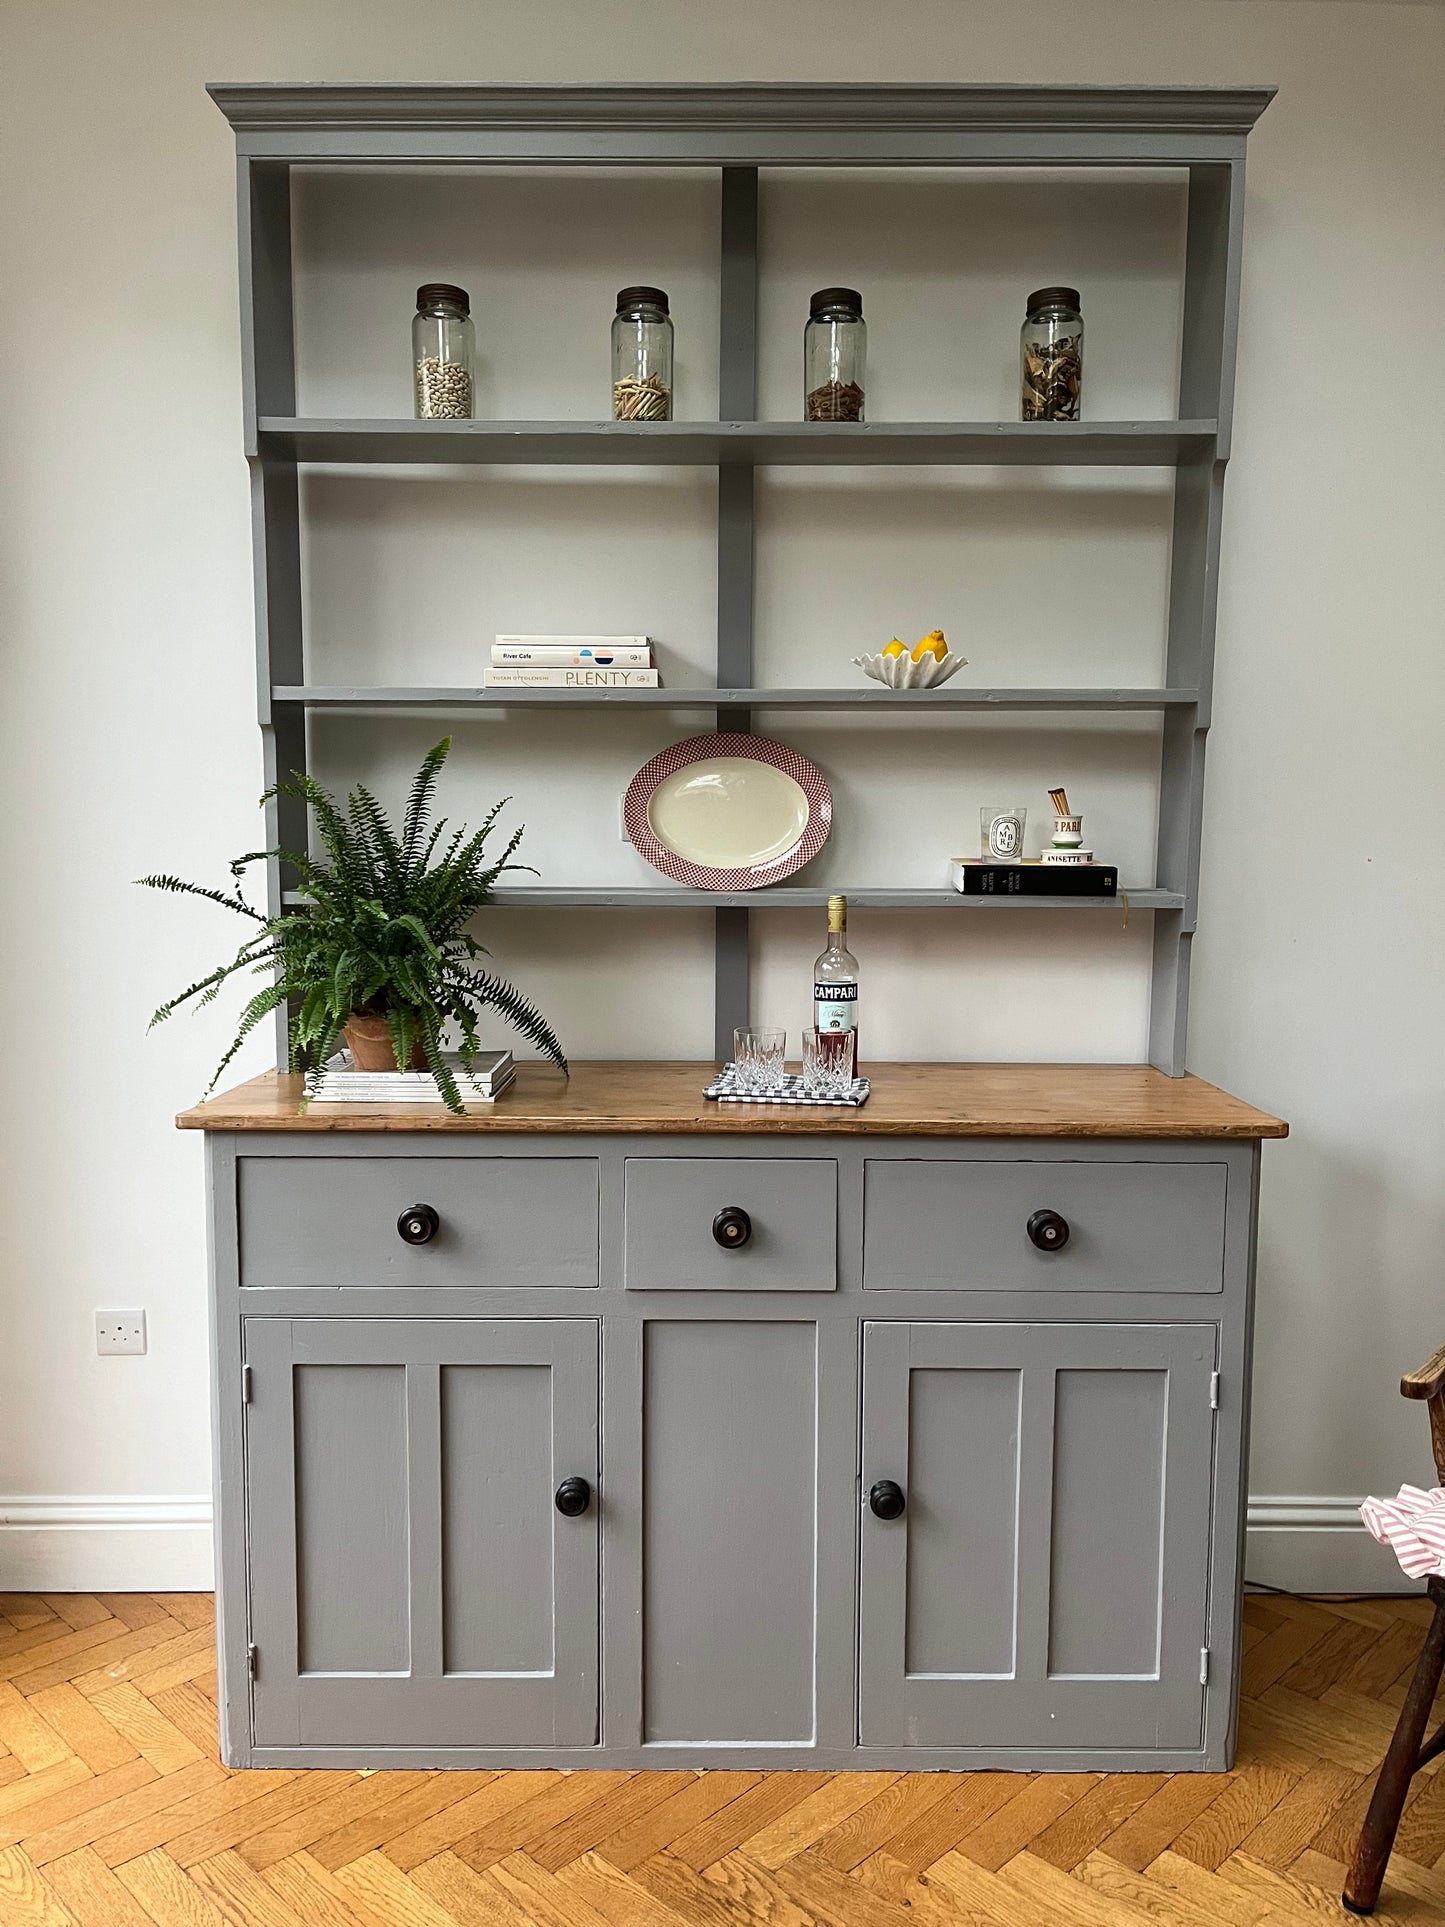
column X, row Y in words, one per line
column 835, row 1006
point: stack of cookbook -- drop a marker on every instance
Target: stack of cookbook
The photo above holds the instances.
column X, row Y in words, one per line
column 572, row 662
column 340, row 1082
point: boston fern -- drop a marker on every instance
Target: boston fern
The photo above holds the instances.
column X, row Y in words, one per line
column 382, row 932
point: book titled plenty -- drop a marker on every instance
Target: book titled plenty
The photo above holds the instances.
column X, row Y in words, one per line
column 524, row 676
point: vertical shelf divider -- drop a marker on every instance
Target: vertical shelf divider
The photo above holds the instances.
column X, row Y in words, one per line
column 1213, row 247
column 268, row 377
column 737, row 401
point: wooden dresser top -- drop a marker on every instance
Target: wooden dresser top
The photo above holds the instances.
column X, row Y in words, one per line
column 908, row 1100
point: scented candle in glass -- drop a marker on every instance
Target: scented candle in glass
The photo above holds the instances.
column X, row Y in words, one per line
column 1001, row 832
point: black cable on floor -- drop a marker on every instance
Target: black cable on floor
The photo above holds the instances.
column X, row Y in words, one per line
column 1325, row 1598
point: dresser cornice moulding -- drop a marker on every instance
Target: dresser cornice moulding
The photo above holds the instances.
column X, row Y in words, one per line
column 741, row 106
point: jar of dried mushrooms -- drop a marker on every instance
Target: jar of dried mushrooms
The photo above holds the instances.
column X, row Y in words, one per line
column 441, row 350
column 835, row 353
column 642, row 357
column 1051, row 356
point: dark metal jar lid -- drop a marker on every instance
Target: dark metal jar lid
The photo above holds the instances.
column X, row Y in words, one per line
column 1054, row 298
column 826, row 298
column 641, row 298
column 430, row 293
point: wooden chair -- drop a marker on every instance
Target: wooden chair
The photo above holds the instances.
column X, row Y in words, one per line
column 1409, row 1749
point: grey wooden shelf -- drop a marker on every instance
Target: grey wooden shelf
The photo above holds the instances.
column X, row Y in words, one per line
column 734, row 130
column 868, row 697
column 749, row 444
column 785, row 896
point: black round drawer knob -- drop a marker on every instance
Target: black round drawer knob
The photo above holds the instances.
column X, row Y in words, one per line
column 418, row 1224
column 1048, row 1231
column 885, row 1500
column 732, row 1227
column 573, row 1498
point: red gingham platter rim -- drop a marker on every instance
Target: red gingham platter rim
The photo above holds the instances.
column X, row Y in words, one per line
column 697, row 749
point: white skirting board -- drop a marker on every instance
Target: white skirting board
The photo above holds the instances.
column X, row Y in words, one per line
column 164, row 1545
column 1306, row 1544
column 85, row 1544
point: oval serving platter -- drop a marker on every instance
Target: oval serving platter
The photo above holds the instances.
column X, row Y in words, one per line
column 728, row 811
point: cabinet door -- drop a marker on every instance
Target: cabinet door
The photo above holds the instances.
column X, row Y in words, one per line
column 412, row 1581
column 730, row 1531
column 1045, row 1585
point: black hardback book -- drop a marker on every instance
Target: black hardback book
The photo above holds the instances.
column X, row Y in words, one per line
column 1038, row 879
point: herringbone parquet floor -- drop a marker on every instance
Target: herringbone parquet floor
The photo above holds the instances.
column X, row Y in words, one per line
column 115, row 1813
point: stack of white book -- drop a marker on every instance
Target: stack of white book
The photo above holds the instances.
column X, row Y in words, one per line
column 572, row 662
column 340, row 1082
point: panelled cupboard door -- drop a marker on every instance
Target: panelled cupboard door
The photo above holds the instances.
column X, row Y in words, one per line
column 1045, row 1584
column 412, row 1581
column 730, row 1411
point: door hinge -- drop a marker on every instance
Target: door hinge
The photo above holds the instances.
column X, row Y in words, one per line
column 1214, row 1391
column 245, row 1384
column 1203, row 1665
column 250, row 1662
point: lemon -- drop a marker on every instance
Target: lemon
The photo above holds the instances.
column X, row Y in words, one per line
column 932, row 644
column 895, row 648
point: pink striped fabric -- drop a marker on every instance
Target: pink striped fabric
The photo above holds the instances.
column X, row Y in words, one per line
column 1413, row 1526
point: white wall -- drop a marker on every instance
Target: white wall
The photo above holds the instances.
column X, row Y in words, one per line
column 128, row 684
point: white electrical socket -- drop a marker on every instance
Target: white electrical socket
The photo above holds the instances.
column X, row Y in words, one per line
column 120, row 1333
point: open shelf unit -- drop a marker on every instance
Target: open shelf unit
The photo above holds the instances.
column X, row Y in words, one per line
column 735, row 130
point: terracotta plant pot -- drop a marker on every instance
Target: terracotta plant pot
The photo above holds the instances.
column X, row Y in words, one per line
column 369, row 1042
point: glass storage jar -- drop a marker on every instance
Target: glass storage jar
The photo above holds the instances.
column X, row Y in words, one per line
column 441, row 350
column 642, row 357
column 1051, row 356
column 835, row 352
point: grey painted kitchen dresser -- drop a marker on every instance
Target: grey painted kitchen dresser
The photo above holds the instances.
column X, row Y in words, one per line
column 606, row 1426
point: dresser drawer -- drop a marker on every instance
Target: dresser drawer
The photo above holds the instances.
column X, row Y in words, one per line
column 499, row 1221
column 950, row 1225
column 731, row 1224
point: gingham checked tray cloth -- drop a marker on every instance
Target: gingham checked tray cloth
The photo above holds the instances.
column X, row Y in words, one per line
column 789, row 1090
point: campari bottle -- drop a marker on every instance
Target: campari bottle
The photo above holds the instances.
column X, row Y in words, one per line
column 835, row 979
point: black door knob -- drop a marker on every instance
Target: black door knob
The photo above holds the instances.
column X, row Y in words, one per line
column 419, row 1224
column 732, row 1227
column 1048, row 1231
column 573, row 1498
column 886, row 1499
